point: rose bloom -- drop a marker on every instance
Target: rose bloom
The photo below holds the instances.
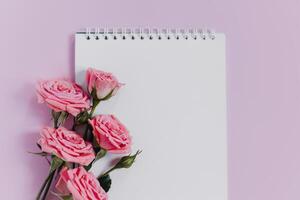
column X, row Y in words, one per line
column 105, row 83
column 111, row 134
column 66, row 145
column 62, row 95
column 81, row 184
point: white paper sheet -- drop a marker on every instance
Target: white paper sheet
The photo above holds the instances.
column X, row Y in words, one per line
column 174, row 104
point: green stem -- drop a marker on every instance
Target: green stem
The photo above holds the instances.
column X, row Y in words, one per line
column 48, row 185
column 43, row 186
column 95, row 104
column 112, row 169
column 86, row 136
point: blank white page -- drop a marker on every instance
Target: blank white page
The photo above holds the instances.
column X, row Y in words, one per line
column 174, row 105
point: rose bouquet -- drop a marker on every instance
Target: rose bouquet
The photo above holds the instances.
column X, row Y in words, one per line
column 72, row 153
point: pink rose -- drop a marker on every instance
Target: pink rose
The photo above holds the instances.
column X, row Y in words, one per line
column 105, row 83
column 62, row 95
column 111, row 134
column 66, row 145
column 81, row 184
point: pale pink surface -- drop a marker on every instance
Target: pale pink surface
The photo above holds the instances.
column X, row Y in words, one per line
column 104, row 82
column 81, row 184
column 66, row 145
column 111, row 134
column 263, row 66
column 63, row 95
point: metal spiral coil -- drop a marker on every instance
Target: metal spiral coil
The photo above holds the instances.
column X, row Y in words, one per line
column 147, row 33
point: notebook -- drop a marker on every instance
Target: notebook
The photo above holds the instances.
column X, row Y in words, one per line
column 174, row 105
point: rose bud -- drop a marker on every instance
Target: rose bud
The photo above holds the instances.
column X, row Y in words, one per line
column 111, row 134
column 127, row 161
column 62, row 95
column 104, row 84
column 81, row 184
column 124, row 162
column 67, row 145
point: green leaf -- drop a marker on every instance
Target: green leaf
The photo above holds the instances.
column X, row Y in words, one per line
column 55, row 115
column 96, row 146
column 82, row 117
column 62, row 117
column 95, row 98
column 99, row 155
column 94, row 95
column 108, row 96
column 59, row 118
column 39, row 153
column 87, row 168
column 69, row 197
column 55, row 163
column 105, row 182
column 62, row 197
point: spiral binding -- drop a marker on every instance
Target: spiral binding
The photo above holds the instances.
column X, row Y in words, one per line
column 147, row 33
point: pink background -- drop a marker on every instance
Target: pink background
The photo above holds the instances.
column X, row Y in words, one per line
column 263, row 61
